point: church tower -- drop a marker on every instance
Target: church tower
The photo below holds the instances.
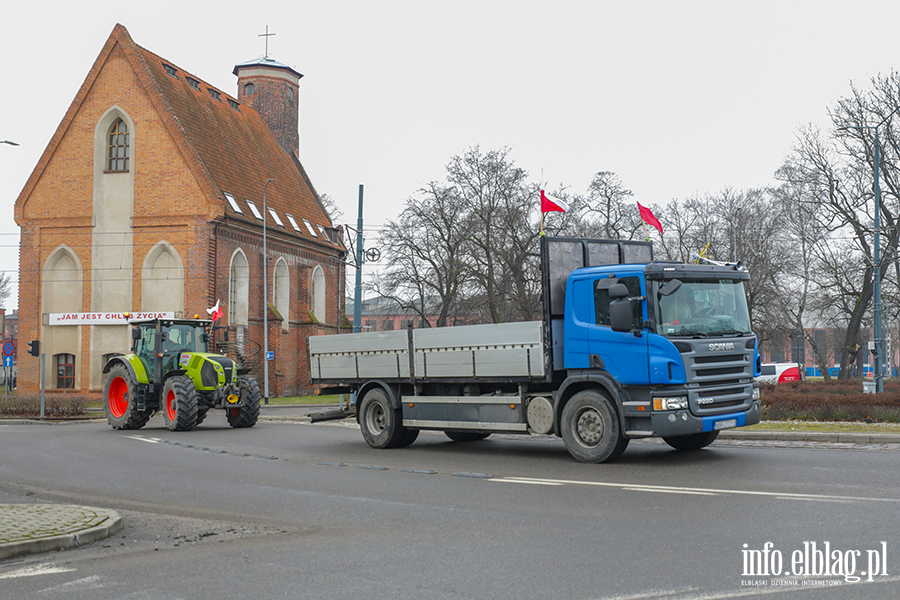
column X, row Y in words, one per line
column 273, row 90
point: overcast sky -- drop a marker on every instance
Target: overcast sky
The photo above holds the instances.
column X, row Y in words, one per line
column 676, row 97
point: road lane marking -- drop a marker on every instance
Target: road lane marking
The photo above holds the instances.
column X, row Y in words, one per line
column 36, row 570
column 143, row 439
column 665, row 491
column 713, row 491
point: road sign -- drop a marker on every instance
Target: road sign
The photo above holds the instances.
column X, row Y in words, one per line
column 9, row 348
column 7, row 361
column 270, row 355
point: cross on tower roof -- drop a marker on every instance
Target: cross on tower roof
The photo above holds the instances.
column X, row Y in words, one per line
column 266, row 35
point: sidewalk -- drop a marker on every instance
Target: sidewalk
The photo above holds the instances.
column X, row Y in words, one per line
column 31, row 528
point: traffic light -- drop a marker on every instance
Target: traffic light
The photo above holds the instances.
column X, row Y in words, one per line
column 34, row 348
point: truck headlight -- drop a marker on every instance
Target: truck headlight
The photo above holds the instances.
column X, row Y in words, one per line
column 670, row 403
column 756, row 393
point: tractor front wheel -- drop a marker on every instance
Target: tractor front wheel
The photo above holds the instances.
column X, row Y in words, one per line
column 180, row 403
column 247, row 414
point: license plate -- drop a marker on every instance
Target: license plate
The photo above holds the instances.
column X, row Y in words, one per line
column 726, row 424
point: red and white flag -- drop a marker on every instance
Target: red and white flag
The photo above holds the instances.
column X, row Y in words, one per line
column 550, row 204
column 215, row 312
column 647, row 217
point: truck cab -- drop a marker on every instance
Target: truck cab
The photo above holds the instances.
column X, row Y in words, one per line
column 676, row 338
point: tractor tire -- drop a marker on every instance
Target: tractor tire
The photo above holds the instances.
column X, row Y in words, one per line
column 694, row 441
column 118, row 400
column 180, row 403
column 202, row 411
column 248, row 414
column 466, row 436
column 590, row 428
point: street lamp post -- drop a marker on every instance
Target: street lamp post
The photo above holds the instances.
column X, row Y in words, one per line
column 877, row 375
column 265, row 298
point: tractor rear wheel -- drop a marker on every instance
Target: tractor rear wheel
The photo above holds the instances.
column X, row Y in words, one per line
column 180, row 403
column 248, row 414
column 119, row 401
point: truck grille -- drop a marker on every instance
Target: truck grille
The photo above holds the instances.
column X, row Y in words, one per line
column 718, row 382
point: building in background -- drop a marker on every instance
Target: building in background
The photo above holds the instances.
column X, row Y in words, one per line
column 149, row 200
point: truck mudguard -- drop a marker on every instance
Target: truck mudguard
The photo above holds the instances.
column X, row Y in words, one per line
column 594, row 379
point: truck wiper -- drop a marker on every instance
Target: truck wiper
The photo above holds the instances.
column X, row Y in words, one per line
column 733, row 332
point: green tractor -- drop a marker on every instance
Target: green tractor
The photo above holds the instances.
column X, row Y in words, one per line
column 170, row 370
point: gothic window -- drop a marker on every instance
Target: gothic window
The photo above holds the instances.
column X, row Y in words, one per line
column 239, row 290
column 118, row 146
column 317, row 293
column 281, row 291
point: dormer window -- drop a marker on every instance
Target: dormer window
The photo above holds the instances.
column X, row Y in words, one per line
column 234, row 105
column 172, row 71
column 214, row 94
column 118, row 147
column 193, row 83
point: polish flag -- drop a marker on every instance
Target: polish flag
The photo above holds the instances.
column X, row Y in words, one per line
column 550, row 204
column 215, row 312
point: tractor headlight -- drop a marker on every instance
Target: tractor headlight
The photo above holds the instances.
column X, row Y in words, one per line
column 670, row 403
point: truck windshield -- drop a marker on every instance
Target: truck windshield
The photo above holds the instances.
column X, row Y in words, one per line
column 704, row 307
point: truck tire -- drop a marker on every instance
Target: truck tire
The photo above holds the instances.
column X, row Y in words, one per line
column 694, row 441
column 381, row 424
column 590, row 428
column 180, row 403
column 118, row 400
column 466, row 436
column 248, row 414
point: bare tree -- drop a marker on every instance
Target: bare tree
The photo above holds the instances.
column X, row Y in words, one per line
column 426, row 268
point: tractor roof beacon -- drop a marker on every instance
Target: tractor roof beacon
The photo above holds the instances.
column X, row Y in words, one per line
column 170, row 370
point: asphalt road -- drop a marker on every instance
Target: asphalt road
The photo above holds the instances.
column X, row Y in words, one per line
column 310, row 511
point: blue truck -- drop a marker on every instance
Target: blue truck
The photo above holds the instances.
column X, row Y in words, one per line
column 628, row 347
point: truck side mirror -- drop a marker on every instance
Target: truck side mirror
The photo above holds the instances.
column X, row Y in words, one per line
column 135, row 333
column 670, row 287
column 620, row 314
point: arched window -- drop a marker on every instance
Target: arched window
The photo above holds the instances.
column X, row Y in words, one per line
column 118, row 146
column 162, row 279
column 65, row 371
column 239, row 290
column 249, row 89
column 281, row 292
column 317, row 294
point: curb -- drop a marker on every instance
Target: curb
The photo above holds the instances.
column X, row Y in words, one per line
column 108, row 523
column 813, row 436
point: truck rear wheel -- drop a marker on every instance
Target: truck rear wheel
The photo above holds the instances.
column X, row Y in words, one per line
column 590, row 428
column 119, row 402
column 381, row 424
column 694, row 441
column 248, row 414
column 466, row 436
column 180, row 403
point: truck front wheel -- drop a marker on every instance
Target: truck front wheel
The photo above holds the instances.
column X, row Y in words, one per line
column 590, row 428
column 692, row 442
column 380, row 423
column 119, row 401
column 180, row 403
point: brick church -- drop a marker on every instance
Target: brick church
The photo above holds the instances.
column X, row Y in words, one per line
column 152, row 198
